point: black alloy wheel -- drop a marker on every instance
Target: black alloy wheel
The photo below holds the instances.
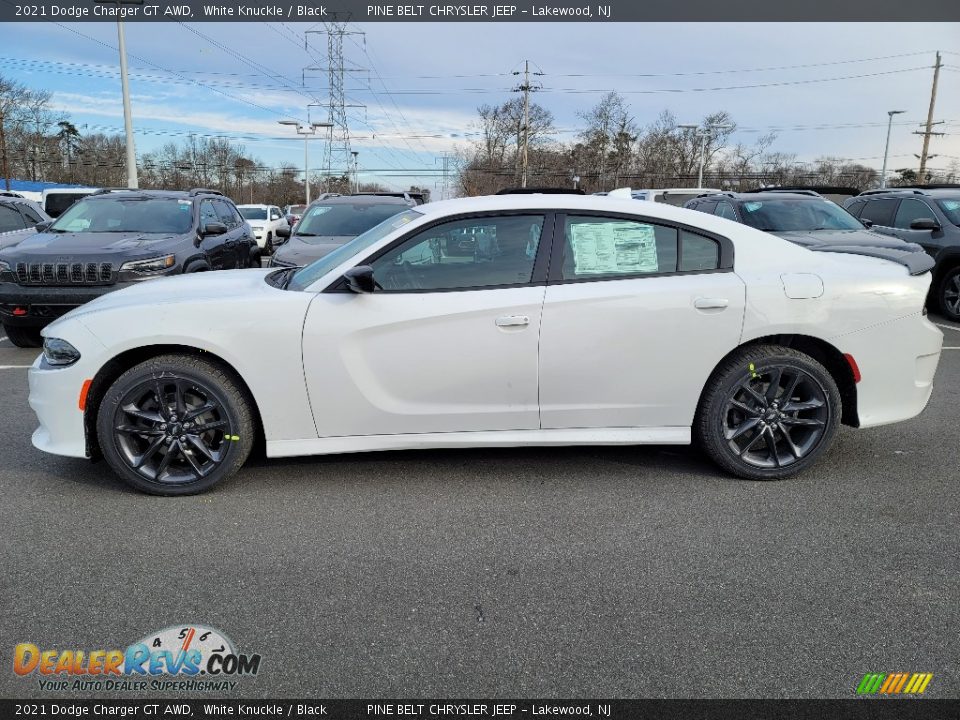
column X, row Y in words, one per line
column 175, row 425
column 768, row 412
column 950, row 295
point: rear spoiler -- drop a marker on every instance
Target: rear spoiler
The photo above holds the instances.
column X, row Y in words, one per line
column 916, row 263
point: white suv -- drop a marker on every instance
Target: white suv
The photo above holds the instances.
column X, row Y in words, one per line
column 264, row 219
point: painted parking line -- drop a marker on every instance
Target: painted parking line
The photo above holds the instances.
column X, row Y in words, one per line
column 948, row 327
column 15, row 367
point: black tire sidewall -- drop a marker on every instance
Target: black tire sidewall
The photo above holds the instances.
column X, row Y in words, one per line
column 710, row 420
column 239, row 424
column 24, row 337
column 941, row 291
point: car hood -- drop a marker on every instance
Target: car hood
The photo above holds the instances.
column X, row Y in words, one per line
column 809, row 238
column 300, row 252
column 13, row 237
column 74, row 244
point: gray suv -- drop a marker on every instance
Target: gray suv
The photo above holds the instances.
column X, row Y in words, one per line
column 928, row 216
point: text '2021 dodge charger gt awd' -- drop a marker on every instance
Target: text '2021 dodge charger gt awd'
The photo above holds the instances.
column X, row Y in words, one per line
column 496, row 321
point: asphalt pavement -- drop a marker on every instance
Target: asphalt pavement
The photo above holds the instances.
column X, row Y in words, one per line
column 590, row 572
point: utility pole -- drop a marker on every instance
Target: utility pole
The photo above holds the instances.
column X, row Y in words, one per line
column 3, row 151
column 886, row 152
column 930, row 123
column 526, row 88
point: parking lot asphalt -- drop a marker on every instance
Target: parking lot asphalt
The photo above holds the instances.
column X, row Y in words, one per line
column 604, row 572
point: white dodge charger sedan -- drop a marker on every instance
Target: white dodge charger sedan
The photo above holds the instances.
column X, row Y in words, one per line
column 496, row 321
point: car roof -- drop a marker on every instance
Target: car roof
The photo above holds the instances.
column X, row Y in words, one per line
column 769, row 195
column 363, row 200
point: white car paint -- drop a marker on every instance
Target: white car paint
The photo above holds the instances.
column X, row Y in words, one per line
column 264, row 230
column 605, row 362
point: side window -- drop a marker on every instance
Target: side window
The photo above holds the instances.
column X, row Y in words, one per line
column 208, row 214
column 856, row 207
column 30, row 215
column 705, row 206
column 698, row 252
column 10, row 219
column 225, row 213
column 880, row 211
column 275, row 213
column 725, row 210
column 471, row 253
column 911, row 210
column 600, row 248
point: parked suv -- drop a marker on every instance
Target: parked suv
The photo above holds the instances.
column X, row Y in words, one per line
column 808, row 219
column 111, row 240
column 265, row 221
column 18, row 218
column 928, row 216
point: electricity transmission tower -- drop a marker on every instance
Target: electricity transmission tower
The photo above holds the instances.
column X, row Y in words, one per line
column 338, row 152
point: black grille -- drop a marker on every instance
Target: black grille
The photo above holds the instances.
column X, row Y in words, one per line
column 65, row 274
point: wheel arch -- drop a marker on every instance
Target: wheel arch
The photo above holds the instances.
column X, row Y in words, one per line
column 116, row 366
column 947, row 260
column 821, row 351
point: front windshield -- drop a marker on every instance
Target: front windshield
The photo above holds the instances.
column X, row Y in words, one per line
column 318, row 268
column 296, row 209
column 345, row 220
column 782, row 215
column 107, row 214
column 951, row 208
column 253, row 213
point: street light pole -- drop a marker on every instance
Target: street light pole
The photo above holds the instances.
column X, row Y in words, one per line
column 356, row 171
column 306, row 130
column 886, row 152
column 132, row 181
column 704, row 133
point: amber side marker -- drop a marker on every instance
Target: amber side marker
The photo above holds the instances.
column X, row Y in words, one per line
column 84, row 389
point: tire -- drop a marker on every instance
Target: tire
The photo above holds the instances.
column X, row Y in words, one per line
column 137, row 436
column 757, row 433
column 948, row 294
column 268, row 245
column 24, row 337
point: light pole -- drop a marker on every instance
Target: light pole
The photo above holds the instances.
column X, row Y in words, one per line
column 886, row 151
column 356, row 171
column 704, row 133
column 306, row 130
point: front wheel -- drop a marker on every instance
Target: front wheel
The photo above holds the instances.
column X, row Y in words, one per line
column 949, row 295
column 175, row 425
column 23, row 337
column 768, row 413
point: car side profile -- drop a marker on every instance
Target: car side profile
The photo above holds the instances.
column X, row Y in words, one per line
column 111, row 240
column 571, row 321
column 18, row 219
column 928, row 217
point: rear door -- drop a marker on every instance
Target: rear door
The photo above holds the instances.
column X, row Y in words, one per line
column 215, row 246
column 911, row 209
column 636, row 315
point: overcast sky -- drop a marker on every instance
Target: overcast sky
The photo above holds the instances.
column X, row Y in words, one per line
column 424, row 81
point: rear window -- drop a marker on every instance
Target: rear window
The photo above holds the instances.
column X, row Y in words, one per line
column 252, row 213
column 55, row 204
column 345, row 220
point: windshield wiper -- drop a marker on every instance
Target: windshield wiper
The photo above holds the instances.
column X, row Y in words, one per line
column 287, row 277
column 305, row 234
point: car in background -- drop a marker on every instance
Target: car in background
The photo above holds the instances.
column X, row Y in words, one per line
column 836, row 193
column 332, row 222
column 590, row 321
column 804, row 218
column 293, row 213
column 18, row 219
column 111, row 240
column 671, row 196
column 55, row 201
column 265, row 221
column 417, row 197
column 928, row 216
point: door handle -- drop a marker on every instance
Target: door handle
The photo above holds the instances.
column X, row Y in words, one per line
column 512, row 320
column 710, row 303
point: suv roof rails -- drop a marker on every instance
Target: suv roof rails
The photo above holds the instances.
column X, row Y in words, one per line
column 931, row 186
column 884, row 191
column 788, row 191
column 104, row 191
column 819, row 189
column 713, row 193
column 10, row 193
column 204, row 191
column 540, row 191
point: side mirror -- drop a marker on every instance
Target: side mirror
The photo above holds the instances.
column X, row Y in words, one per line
column 867, row 223
column 43, row 226
column 283, row 231
column 924, row 224
column 360, row 279
column 213, row 228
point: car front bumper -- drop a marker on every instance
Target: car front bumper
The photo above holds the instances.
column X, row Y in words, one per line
column 39, row 305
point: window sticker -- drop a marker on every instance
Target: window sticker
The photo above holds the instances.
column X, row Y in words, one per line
column 951, row 205
column 401, row 221
column 752, row 206
column 614, row 247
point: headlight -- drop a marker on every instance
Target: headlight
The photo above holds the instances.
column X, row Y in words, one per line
column 150, row 266
column 59, row 352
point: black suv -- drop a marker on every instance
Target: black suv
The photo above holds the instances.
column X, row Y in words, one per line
column 926, row 215
column 113, row 239
column 806, row 218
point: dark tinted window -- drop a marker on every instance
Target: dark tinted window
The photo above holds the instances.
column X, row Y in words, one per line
column 911, row 210
column 698, row 252
column 208, row 213
column 599, row 248
column 55, row 204
column 114, row 214
column 784, row 215
column 951, row 208
column 470, row 253
column 879, row 211
column 856, row 207
column 725, row 210
column 225, row 213
column 31, row 216
column 706, row 206
column 10, row 219
column 345, row 220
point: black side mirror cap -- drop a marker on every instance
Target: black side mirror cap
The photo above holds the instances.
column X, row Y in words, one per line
column 924, row 224
column 283, row 231
column 867, row 223
column 360, row 279
column 213, row 228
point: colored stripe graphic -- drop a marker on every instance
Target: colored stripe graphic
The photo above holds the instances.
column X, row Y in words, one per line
column 894, row 683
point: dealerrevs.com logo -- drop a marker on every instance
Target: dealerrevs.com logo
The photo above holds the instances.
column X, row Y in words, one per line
column 180, row 657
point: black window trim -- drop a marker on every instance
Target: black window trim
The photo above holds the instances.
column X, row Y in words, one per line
column 541, row 262
column 736, row 212
column 556, row 268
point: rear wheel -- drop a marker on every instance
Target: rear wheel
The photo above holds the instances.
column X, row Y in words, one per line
column 23, row 337
column 175, row 425
column 268, row 245
column 949, row 295
column 768, row 413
